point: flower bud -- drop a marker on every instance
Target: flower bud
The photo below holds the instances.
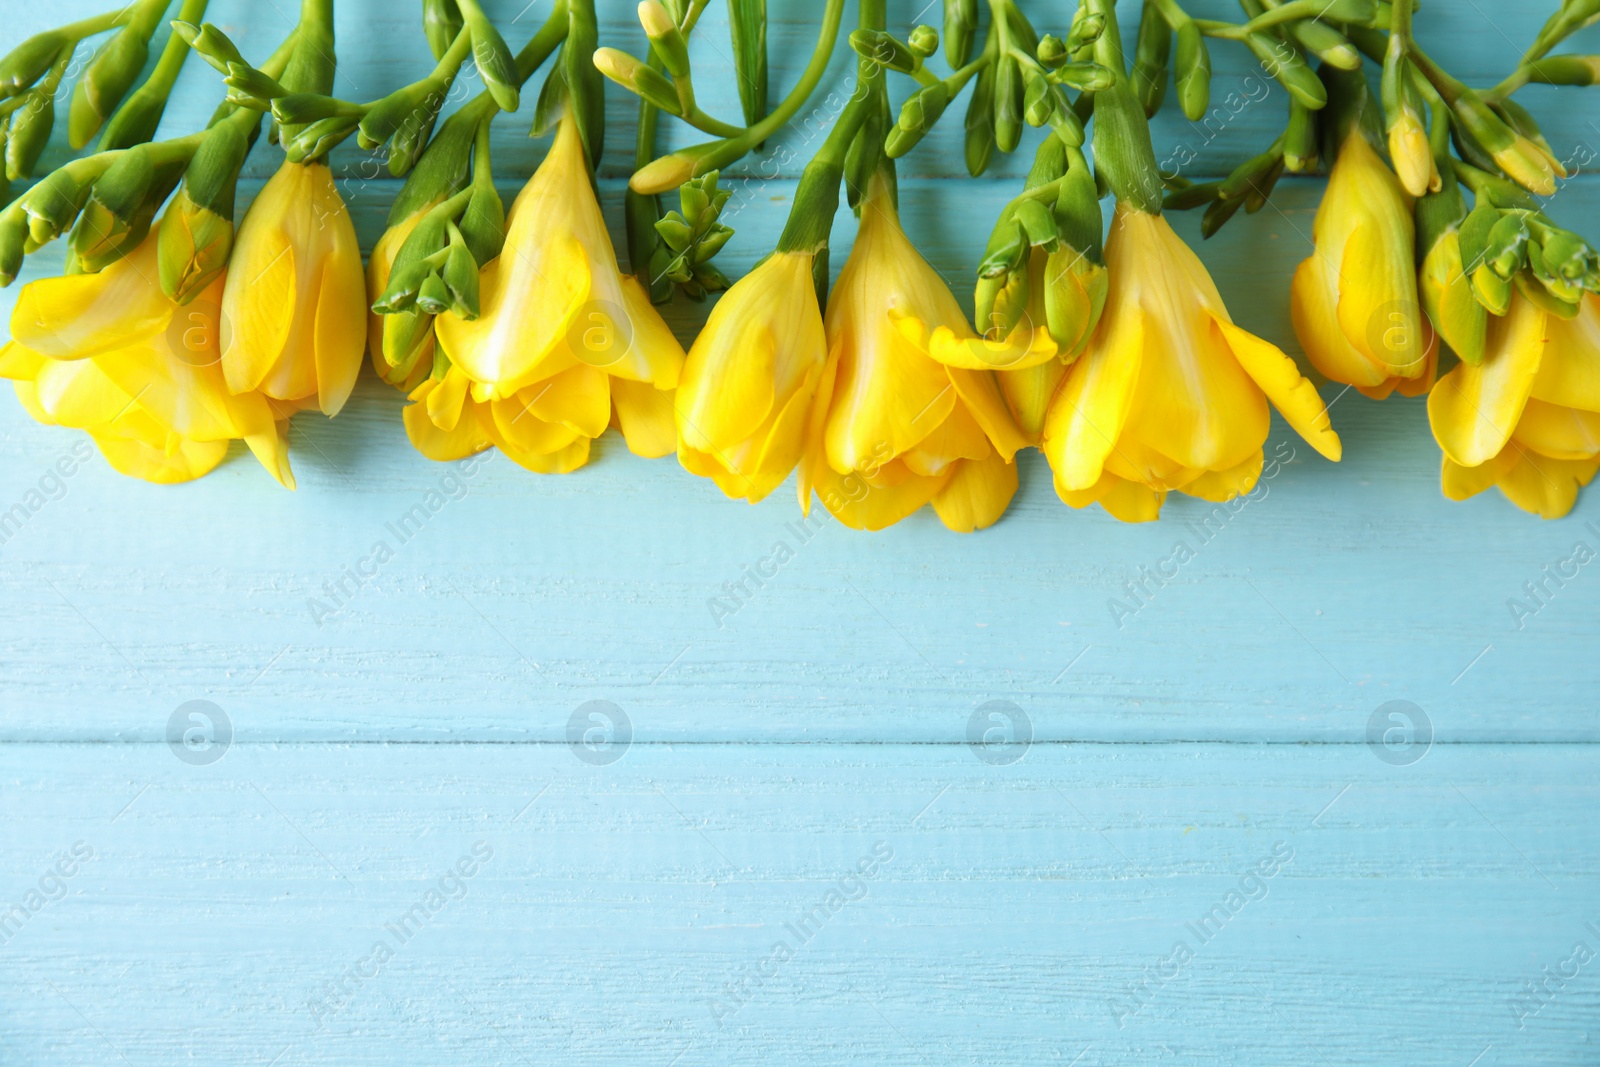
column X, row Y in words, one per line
column 53, row 205
column 105, row 82
column 192, row 248
column 495, row 62
column 960, row 27
column 1192, row 71
column 665, row 37
column 308, row 144
column 885, row 49
column 1529, row 165
column 13, row 238
column 924, row 41
column 135, row 122
column 300, row 109
column 212, row 45
column 917, row 116
column 1411, row 153
column 978, row 145
column 26, row 63
column 117, row 214
column 1149, row 73
column 1052, row 51
column 441, row 24
column 1566, row 70
column 1008, row 92
column 1300, row 152
column 670, row 171
column 1076, row 284
column 483, row 223
column 30, row 131
column 460, row 276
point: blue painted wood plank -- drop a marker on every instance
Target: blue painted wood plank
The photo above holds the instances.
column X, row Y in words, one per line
column 1016, row 914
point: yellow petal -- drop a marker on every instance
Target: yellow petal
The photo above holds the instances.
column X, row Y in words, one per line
column 514, row 427
column 79, row 394
column 655, row 355
column 980, row 393
column 271, row 448
column 170, row 461
column 1311, row 311
column 644, row 414
column 1088, row 412
column 1131, row 502
column 578, row 398
column 1219, row 487
column 1570, row 372
column 1024, row 347
column 957, row 438
column 561, row 461
column 1544, row 486
column 1558, row 432
column 258, row 304
column 1460, row 483
column 977, row 494
column 82, row 315
column 340, row 316
column 1473, row 409
column 1295, row 397
column 1028, row 394
column 19, row 363
column 445, row 398
column 466, row 439
column 860, row 506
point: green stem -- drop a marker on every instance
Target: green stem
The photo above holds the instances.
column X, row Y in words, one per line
column 832, row 15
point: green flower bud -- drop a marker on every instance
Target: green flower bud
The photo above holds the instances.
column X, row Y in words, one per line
column 1300, row 153
column 1008, row 104
column 441, row 24
column 135, row 122
column 884, row 49
column 1086, row 29
column 1149, row 74
column 310, row 143
column 665, row 37
column 1190, row 195
column 105, row 82
column 248, row 87
column 1507, row 247
column 300, row 109
column 405, row 336
column 13, row 238
column 1218, row 214
column 1192, row 71
column 1038, row 100
column 1052, row 51
column 26, row 63
column 460, row 276
column 53, row 205
column 1285, row 63
column 917, row 116
column 495, row 62
column 1326, row 43
column 747, row 30
column 960, row 27
column 924, row 41
column 192, row 247
column 117, row 214
column 979, row 143
column 1088, row 77
column 1491, row 290
column 212, row 45
column 29, row 132
column 441, row 171
column 483, row 223
column 1566, row 70
column 434, row 296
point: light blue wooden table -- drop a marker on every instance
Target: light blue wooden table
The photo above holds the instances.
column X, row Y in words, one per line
column 799, row 859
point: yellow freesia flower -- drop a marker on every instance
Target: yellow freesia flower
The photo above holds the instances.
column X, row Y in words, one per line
column 294, row 299
column 564, row 346
column 1354, row 299
column 750, row 378
column 895, row 429
column 1526, row 419
column 111, row 354
column 1170, row 394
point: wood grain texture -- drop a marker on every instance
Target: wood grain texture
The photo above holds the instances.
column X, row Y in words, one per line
column 1029, row 912
column 1016, row 914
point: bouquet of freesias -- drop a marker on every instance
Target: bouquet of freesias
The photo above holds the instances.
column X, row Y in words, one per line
column 1096, row 334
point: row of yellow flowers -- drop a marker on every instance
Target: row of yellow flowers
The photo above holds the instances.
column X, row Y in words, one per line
column 1117, row 359
column 1168, row 395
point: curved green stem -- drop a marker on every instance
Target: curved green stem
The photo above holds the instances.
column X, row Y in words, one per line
column 833, row 14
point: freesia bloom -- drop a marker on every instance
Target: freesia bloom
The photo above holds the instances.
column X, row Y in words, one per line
column 293, row 302
column 1170, row 394
column 1354, row 299
column 111, row 354
column 894, row 429
column 750, row 378
column 1526, row 419
column 564, row 346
